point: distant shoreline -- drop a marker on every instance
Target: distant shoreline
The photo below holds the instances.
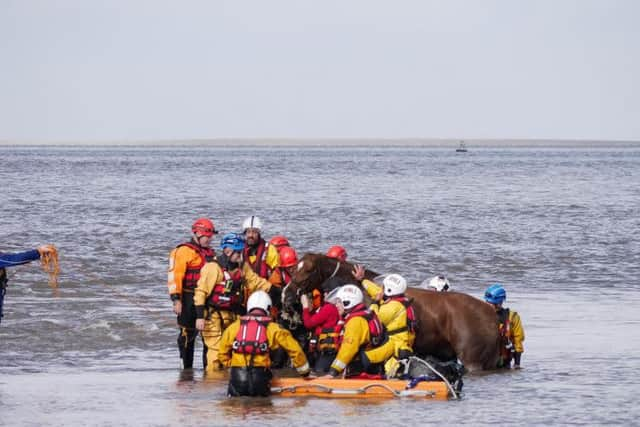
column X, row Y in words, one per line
column 333, row 142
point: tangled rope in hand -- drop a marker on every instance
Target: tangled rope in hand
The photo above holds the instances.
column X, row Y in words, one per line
column 50, row 265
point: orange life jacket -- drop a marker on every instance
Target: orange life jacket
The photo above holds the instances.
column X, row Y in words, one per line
column 328, row 339
column 251, row 338
column 377, row 332
column 228, row 294
column 259, row 264
column 412, row 322
column 192, row 274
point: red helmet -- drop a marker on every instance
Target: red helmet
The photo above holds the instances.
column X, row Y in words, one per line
column 204, row 226
column 288, row 256
column 279, row 241
column 337, row 252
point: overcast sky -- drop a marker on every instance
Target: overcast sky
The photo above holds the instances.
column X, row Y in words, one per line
column 146, row 70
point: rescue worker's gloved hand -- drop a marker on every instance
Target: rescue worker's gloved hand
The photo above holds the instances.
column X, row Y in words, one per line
column 404, row 354
column 334, row 373
column 304, row 300
column 177, row 307
column 358, row 272
column 516, row 360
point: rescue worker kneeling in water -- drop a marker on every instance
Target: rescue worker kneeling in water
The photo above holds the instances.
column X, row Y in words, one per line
column 221, row 293
column 362, row 331
column 396, row 314
column 245, row 347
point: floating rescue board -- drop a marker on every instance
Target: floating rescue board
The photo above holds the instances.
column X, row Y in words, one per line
column 367, row 388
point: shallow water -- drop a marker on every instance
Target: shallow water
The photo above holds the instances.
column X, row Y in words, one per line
column 557, row 226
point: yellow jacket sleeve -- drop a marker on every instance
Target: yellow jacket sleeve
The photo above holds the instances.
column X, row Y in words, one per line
column 225, row 349
column 272, row 259
column 356, row 334
column 179, row 258
column 517, row 331
column 392, row 313
column 373, row 290
column 280, row 337
column 252, row 281
column 210, row 274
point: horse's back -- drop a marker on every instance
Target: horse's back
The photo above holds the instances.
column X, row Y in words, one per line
column 468, row 324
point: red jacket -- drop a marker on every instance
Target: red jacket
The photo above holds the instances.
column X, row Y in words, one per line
column 326, row 316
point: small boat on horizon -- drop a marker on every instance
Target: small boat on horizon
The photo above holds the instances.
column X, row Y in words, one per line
column 462, row 148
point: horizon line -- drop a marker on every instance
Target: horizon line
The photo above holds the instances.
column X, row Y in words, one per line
column 329, row 141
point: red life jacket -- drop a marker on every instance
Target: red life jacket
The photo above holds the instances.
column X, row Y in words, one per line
column 377, row 332
column 229, row 293
column 412, row 322
column 192, row 274
column 259, row 265
column 251, row 338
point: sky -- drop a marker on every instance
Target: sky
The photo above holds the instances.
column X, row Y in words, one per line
column 89, row 70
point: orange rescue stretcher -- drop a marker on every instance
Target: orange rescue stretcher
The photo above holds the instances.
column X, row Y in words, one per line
column 355, row 387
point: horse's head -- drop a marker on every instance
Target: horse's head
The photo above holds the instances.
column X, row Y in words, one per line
column 313, row 270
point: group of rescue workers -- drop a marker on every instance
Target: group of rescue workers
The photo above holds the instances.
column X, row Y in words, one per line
column 232, row 300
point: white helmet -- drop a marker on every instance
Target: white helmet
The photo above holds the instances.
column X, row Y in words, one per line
column 439, row 283
column 261, row 300
column 350, row 296
column 394, row 284
column 252, row 222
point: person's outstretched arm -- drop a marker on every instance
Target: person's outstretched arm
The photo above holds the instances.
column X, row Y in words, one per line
column 10, row 260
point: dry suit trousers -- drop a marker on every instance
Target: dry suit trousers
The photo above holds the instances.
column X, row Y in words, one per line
column 188, row 333
column 245, row 381
column 215, row 323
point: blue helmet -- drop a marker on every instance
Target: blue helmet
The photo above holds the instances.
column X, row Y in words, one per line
column 495, row 294
column 234, row 241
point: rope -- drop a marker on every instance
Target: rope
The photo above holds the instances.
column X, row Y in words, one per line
column 362, row 390
column 50, row 265
column 335, row 271
column 424, row 362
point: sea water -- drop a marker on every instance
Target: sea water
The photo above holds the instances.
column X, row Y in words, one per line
column 558, row 226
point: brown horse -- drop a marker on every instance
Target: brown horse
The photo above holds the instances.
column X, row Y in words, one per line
column 450, row 324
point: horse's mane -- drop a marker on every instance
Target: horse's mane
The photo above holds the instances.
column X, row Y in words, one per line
column 325, row 267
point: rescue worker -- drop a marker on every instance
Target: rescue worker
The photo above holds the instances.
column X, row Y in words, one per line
column 337, row 252
column 287, row 263
column 437, row 283
column 396, row 314
column 15, row 259
column 510, row 326
column 245, row 347
column 221, row 294
column 324, row 321
column 276, row 278
column 362, row 331
column 185, row 263
column 258, row 254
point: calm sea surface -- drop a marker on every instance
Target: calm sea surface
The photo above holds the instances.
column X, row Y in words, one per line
column 558, row 227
